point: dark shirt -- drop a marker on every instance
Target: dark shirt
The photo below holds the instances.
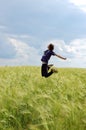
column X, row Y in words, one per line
column 47, row 55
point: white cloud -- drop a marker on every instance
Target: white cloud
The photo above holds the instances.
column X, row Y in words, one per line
column 79, row 47
column 20, row 47
column 75, row 52
column 51, row 20
column 25, row 53
column 80, row 3
column 2, row 27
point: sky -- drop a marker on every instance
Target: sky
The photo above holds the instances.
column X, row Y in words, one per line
column 28, row 26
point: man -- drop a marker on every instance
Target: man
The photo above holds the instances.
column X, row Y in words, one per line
column 45, row 58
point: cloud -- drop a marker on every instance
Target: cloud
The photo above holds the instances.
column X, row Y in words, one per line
column 75, row 52
column 2, row 27
column 80, row 4
column 43, row 19
column 25, row 53
column 79, row 47
column 18, row 49
column 6, row 50
column 26, row 25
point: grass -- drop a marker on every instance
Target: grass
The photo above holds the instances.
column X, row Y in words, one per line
column 31, row 102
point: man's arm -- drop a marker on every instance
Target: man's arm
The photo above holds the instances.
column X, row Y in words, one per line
column 61, row 57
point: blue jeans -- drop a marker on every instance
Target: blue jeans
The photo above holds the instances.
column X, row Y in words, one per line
column 44, row 71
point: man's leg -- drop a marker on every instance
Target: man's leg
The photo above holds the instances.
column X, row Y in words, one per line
column 44, row 70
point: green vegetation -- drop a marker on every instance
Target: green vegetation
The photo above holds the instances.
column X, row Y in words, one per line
column 30, row 102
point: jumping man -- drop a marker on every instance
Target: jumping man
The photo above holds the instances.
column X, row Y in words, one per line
column 45, row 58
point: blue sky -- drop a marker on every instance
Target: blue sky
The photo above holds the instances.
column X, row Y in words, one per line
column 28, row 26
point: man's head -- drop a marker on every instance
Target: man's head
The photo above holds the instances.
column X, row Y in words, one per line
column 51, row 46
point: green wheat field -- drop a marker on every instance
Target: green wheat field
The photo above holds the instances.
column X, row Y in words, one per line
column 31, row 102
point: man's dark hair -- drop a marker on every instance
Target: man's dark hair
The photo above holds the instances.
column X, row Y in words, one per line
column 51, row 46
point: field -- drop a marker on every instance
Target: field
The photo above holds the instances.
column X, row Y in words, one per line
column 30, row 102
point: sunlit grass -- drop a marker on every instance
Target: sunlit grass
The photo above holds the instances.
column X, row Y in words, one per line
column 30, row 102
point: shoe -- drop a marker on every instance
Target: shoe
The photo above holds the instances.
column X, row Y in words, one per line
column 54, row 70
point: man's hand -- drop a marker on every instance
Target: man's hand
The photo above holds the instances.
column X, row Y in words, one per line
column 64, row 58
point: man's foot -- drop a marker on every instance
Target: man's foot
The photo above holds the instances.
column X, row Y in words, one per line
column 54, row 70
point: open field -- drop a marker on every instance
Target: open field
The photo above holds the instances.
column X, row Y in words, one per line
column 30, row 102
